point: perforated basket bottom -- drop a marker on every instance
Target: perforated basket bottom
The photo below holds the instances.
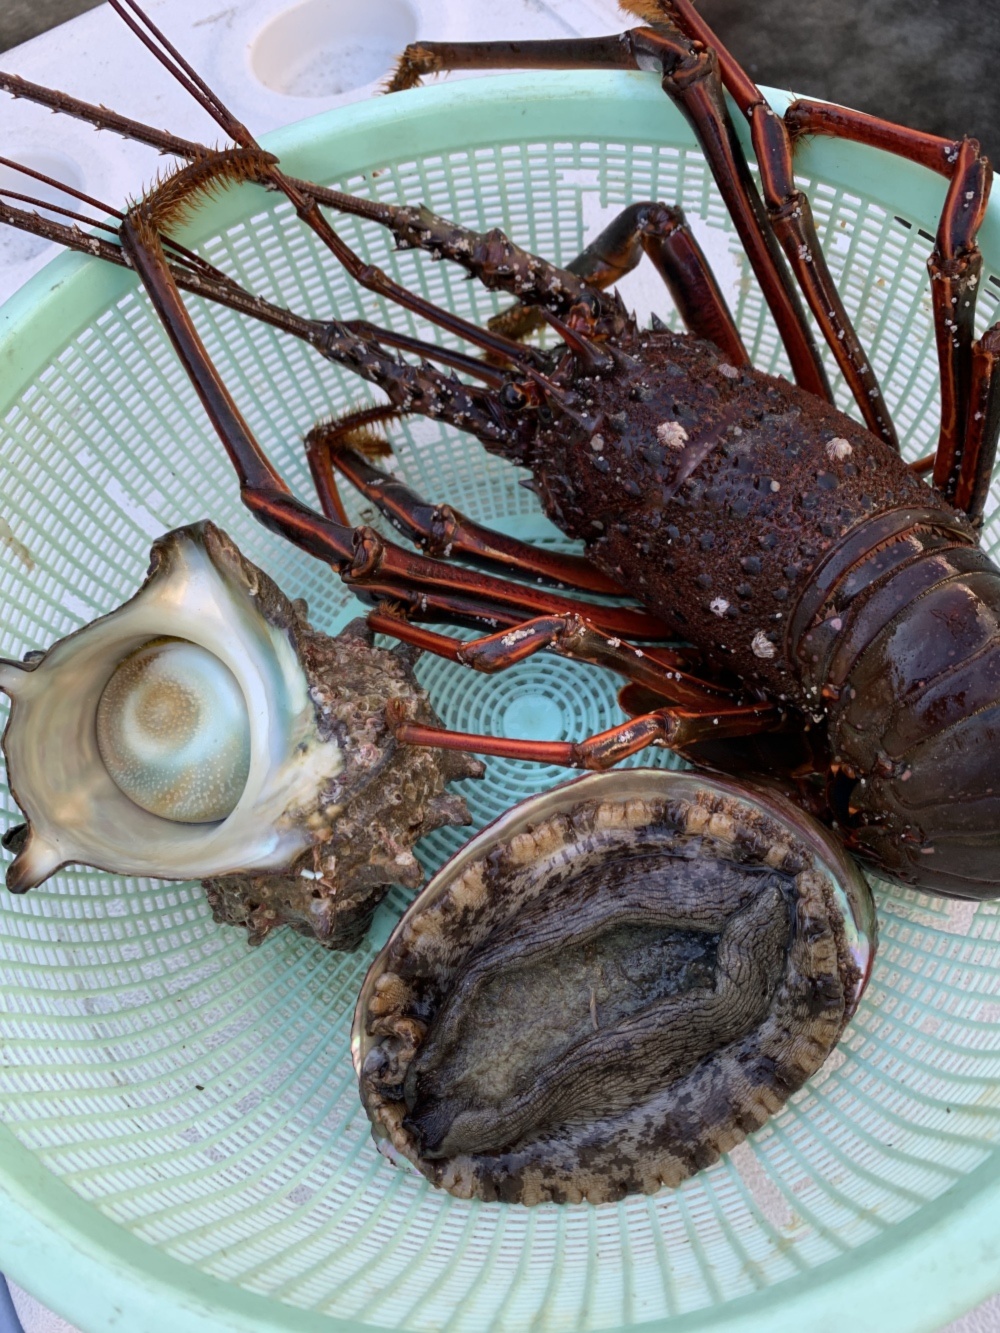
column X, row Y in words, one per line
column 200, row 1094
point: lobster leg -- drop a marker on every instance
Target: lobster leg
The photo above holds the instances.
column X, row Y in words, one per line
column 363, row 558
column 499, row 264
column 357, row 344
column 193, row 274
column 662, row 233
column 690, row 77
column 955, row 267
column 791, row 219
column 669, row 728
column 496, row 261
column 437, row 529
column 661, row 675
column 489, row 256
column 983, row 432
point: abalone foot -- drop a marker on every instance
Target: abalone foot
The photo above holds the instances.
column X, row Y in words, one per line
column 602, row 999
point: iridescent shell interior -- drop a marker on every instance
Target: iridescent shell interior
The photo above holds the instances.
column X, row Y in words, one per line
column 197, row 593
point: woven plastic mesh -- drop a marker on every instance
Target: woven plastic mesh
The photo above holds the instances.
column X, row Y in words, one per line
column 200, row 1093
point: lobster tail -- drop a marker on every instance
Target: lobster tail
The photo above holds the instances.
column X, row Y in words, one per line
column 907, row 648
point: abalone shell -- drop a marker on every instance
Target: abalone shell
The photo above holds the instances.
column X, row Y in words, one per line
column 609, row 998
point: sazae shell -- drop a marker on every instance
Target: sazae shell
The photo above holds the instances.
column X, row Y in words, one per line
column 610, row 987
column 204, row 730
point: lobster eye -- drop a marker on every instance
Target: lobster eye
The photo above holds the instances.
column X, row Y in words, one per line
column 584, row 311
column 512, row 397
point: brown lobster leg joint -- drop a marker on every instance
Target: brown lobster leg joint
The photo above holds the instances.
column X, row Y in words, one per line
column 423, row 58
column 142, row 244
column 955, row 265
column 955, row 268
column 671, row 728
column 678, row 258
column 791, row 220
column 983, row 428
column 690, row 78
column 438, row 530
column 661, row 232
column 362, row 557
column 571, row 636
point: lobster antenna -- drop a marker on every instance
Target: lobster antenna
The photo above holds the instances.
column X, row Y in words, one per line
column 305, row 203
column 102, row 118
column 203, row 279
column 189, row 257
column 63, row 188
column 54, row 208
column 157, row 42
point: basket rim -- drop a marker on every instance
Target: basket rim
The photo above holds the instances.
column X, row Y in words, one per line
column 62, row 1248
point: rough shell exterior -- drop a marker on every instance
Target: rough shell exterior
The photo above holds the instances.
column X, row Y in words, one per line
column 738, row 511
column 367, row 820
column 331, row 806
column 604, row 1004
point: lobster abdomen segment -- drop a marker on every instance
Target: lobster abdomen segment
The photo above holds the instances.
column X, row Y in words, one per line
column 916, row 728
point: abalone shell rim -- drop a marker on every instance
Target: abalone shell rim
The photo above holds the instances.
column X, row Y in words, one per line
column 850, row 886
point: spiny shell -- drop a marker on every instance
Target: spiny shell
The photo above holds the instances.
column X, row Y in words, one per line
column 610, row 988
column 331, row 806
column 385, row 800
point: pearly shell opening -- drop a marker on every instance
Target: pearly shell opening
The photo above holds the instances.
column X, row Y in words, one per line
column 202, row 591
column 173, row 731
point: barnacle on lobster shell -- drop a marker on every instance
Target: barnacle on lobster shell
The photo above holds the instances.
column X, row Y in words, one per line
column 610, row 987
column 204, row 730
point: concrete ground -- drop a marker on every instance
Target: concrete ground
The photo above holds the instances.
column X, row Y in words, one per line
column 925, row 63
column 22, row 19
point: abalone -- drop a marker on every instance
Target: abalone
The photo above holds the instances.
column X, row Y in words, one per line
column 611, row 987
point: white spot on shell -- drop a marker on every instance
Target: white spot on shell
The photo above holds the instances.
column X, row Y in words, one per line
column 762, row 646
column 515, row 637
column 597, row 443
column 730, row 372
column 672, row 434
column 838, row 449
column 718, row 606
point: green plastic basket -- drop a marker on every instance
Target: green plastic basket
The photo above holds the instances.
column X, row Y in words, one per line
column 181, row 1142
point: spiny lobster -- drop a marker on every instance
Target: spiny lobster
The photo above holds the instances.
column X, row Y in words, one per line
column 842, row 620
